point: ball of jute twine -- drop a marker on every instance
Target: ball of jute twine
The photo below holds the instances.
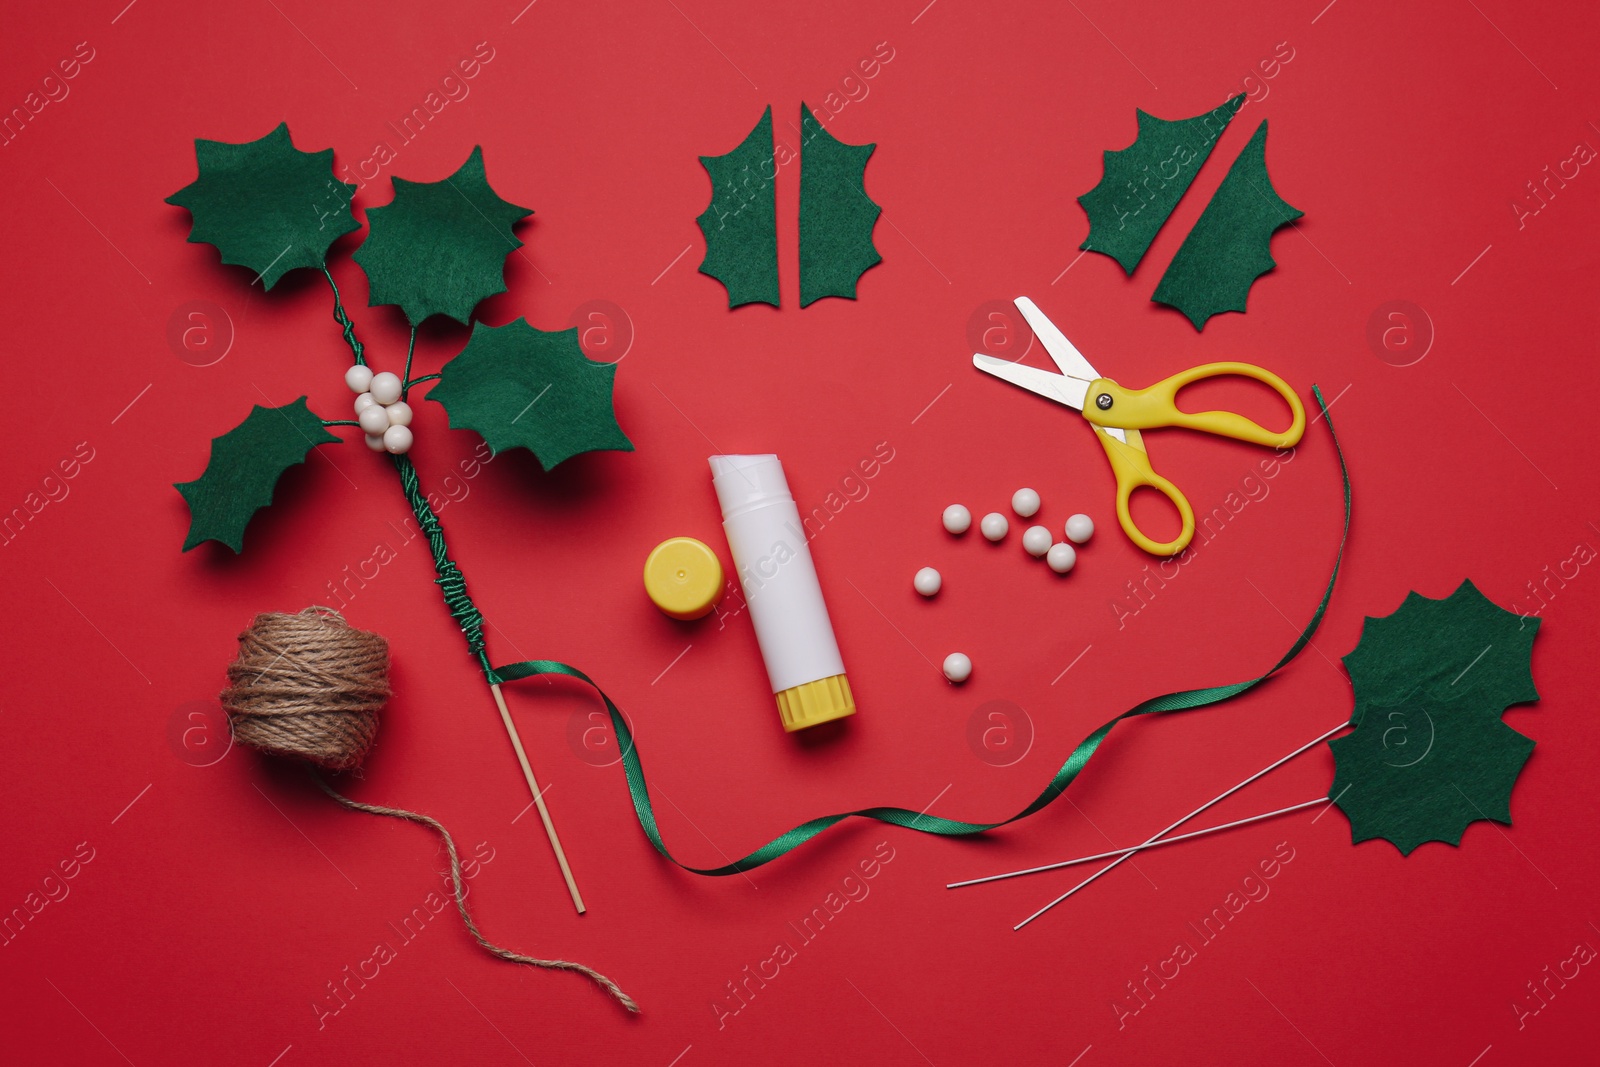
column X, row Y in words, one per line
column 309, row 687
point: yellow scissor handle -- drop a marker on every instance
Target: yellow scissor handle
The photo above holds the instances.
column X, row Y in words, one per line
column 1131, row 465
column 1109, row 404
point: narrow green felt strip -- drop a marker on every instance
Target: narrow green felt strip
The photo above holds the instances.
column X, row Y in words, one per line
column 741, row 223
column 639, row 792
column 1230, row 247
column 836, row 215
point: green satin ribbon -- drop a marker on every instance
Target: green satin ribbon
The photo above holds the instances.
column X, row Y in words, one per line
column 913, row 820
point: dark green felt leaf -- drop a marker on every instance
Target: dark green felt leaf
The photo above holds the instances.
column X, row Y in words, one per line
column 1422, row 769
column 440, row 247
column 244, row 468
column 1464, row 647
column 1230, row 247
column 525, row 388
column 836, row 215
column 266, row 205
column 741, row 222
column 1145, row 181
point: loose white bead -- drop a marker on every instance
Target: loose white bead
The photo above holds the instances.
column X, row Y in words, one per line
column 375, row 442
column 1061, row 558
column 358, row 378
column 397, row 439
column 399, row 413
column 994, row 526
column 374, row 419
column 957, row 667
column 363, row 402
column 1025, row 502
column 385, row 387
column 957, row 519
column 1079, row 529
column 1036, row 540
column 927, row 582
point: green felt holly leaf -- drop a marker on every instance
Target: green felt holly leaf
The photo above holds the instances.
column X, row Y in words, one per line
column 440, row 247
column 1461, row 648
column 741, row 222
column 1145, row 181
column 836, row 215
column 1230, row 247
column 266, row 205
column 522, row 387
column 1423, row 768
column 244, row 468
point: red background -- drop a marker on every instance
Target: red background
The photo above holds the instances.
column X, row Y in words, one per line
column 221, row 899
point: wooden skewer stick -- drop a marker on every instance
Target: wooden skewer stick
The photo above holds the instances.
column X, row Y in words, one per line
column 538, row 798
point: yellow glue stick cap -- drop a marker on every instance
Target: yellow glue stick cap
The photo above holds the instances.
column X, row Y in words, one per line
column 683, row 577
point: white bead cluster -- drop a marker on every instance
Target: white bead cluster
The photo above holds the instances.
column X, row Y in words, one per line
column 383, row 416
column 1061, row 557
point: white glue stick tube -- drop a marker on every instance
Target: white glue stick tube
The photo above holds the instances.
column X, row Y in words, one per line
column 780, row 587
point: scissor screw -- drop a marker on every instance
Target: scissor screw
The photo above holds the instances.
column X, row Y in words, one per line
column 1103, row 401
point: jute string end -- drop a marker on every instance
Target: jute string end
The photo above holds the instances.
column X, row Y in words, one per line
column 309, row 687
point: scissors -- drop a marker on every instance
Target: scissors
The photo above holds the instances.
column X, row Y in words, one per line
column 1118, row 414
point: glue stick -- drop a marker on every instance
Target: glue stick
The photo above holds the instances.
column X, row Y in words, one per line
column 780, row 587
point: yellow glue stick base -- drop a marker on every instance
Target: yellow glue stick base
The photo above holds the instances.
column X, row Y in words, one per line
column 814, row 703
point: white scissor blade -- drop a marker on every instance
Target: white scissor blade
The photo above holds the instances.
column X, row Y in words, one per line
column 1058, row 387
column 1063, row 351
column 1061, row 389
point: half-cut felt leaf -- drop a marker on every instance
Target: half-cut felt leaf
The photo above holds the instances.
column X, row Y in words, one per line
column 1421, row 768
column 1461, row 647
column 1230, row 246
column 244, row 468
column 836, row 214
column 741, row 222
column 439, row 248
column 1145, row 181
column 525, row 388
column 266, row 205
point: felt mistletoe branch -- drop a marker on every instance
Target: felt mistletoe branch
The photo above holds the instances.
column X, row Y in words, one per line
column 438, row 249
